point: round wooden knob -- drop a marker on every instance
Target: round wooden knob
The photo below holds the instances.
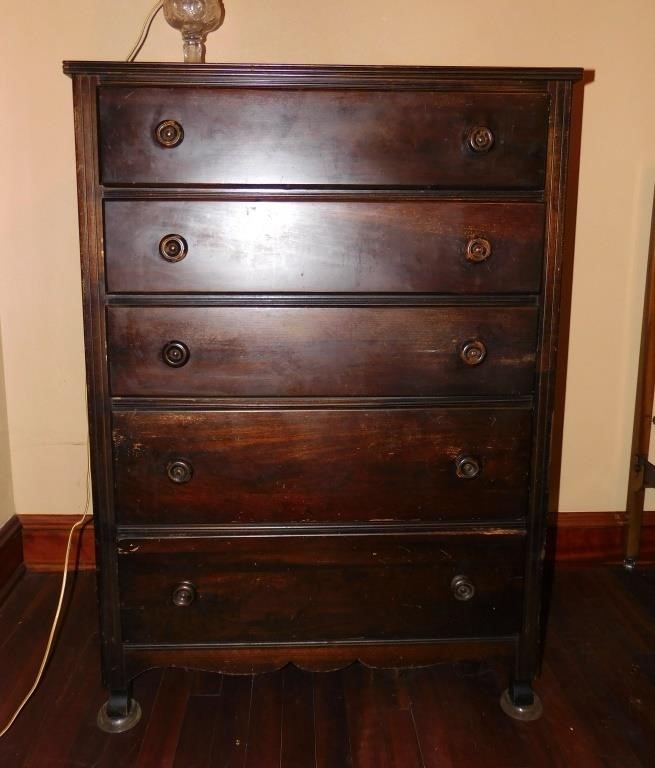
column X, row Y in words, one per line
column 184, row 594
column 179, row 471
column 480, row 138
column 176, row 354
column 478, row 249
column 473, row 352
column 169, row 133
column 173, row 248
column 462, row 587
column 467, row 467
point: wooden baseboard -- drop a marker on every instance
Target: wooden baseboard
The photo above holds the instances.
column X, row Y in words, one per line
column 588, row 537
column 578, row 537
column 45, row 538
column 11, row 556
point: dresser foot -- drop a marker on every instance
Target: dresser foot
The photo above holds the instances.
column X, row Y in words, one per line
column 520, row 702
column 119, row 713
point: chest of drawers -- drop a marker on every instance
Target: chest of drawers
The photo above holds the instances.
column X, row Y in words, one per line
column 321, row 309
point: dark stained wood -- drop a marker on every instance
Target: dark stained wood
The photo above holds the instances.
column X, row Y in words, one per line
column 162, row 733
column 231, row 735
column 270, row 247
column 327, row 588
column 313, row 352
column 11, row 556
column 577, row 538
column 358, row 141
column 598, row 684
column 332, row 747
column 304, row 137
column 365, row 731
column 319, row 76
column 93, row 291
column 585, row 537
column 317, row 657
column 271, row 466
column 45, row 538
column 267, row 716
column 527, row 662
column 193, row 747
column 298, row 719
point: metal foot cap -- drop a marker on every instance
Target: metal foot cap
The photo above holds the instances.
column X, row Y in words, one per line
column 119, row 724
column 525, row 712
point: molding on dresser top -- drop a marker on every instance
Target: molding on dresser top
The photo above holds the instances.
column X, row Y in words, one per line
column 322, row 76
column 577, row 537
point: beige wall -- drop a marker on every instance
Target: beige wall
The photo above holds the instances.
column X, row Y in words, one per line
column 39, row 284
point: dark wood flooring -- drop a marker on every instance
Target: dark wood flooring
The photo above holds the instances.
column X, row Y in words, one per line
column 598, row 688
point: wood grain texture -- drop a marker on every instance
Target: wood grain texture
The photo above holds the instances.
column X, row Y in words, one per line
column 45, row 538
column 339, row 588
column 314, row 352
column 577, row 538
column 321, row 465
column 597, row 683
column 270, row 247
column 11, row 556
column 308, row 138
column 362, row 139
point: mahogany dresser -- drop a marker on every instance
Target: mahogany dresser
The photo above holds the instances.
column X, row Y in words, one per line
column 321, row 310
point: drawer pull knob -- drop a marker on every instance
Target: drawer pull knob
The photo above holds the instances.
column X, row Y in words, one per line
column 463, row 588
column 481, row 138
column 169, row 133
column 175, row 354
column 173, row 248
column 184, row 594
column 473, row 352
column 467, row 467
column 179, row 471
column 478, row 249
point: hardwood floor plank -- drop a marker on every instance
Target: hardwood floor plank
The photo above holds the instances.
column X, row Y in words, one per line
column 195, row 744
column 597, row 685
column 165, row 723
column 298, row 745
column 28, row 605
column 58, row 707
column 431, row 720
column 331, row 743
column 397, row 721
column 367, row 742
column 206, row 683
column 232, row 730
column 265, row 732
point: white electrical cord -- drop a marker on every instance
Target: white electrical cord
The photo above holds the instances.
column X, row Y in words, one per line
column 55, row 621
column 130, row 57
column 145, row 29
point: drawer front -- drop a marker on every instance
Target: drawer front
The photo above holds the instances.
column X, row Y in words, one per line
column 216, row 136
column 277, row 247
column 325, row 588
column 313, row 352
column 424, row 464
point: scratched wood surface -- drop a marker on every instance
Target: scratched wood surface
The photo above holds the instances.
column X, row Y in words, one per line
column 597, row 684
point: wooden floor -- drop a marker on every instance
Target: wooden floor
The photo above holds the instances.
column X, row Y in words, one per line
column 598, row 688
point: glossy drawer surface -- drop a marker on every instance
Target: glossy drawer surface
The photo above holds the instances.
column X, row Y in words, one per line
column 427, row 464
column 312, row 589
column 290, row 246
column 329, row 351
column 216, row 136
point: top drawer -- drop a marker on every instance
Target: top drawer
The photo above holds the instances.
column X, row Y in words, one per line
column 215, row 136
